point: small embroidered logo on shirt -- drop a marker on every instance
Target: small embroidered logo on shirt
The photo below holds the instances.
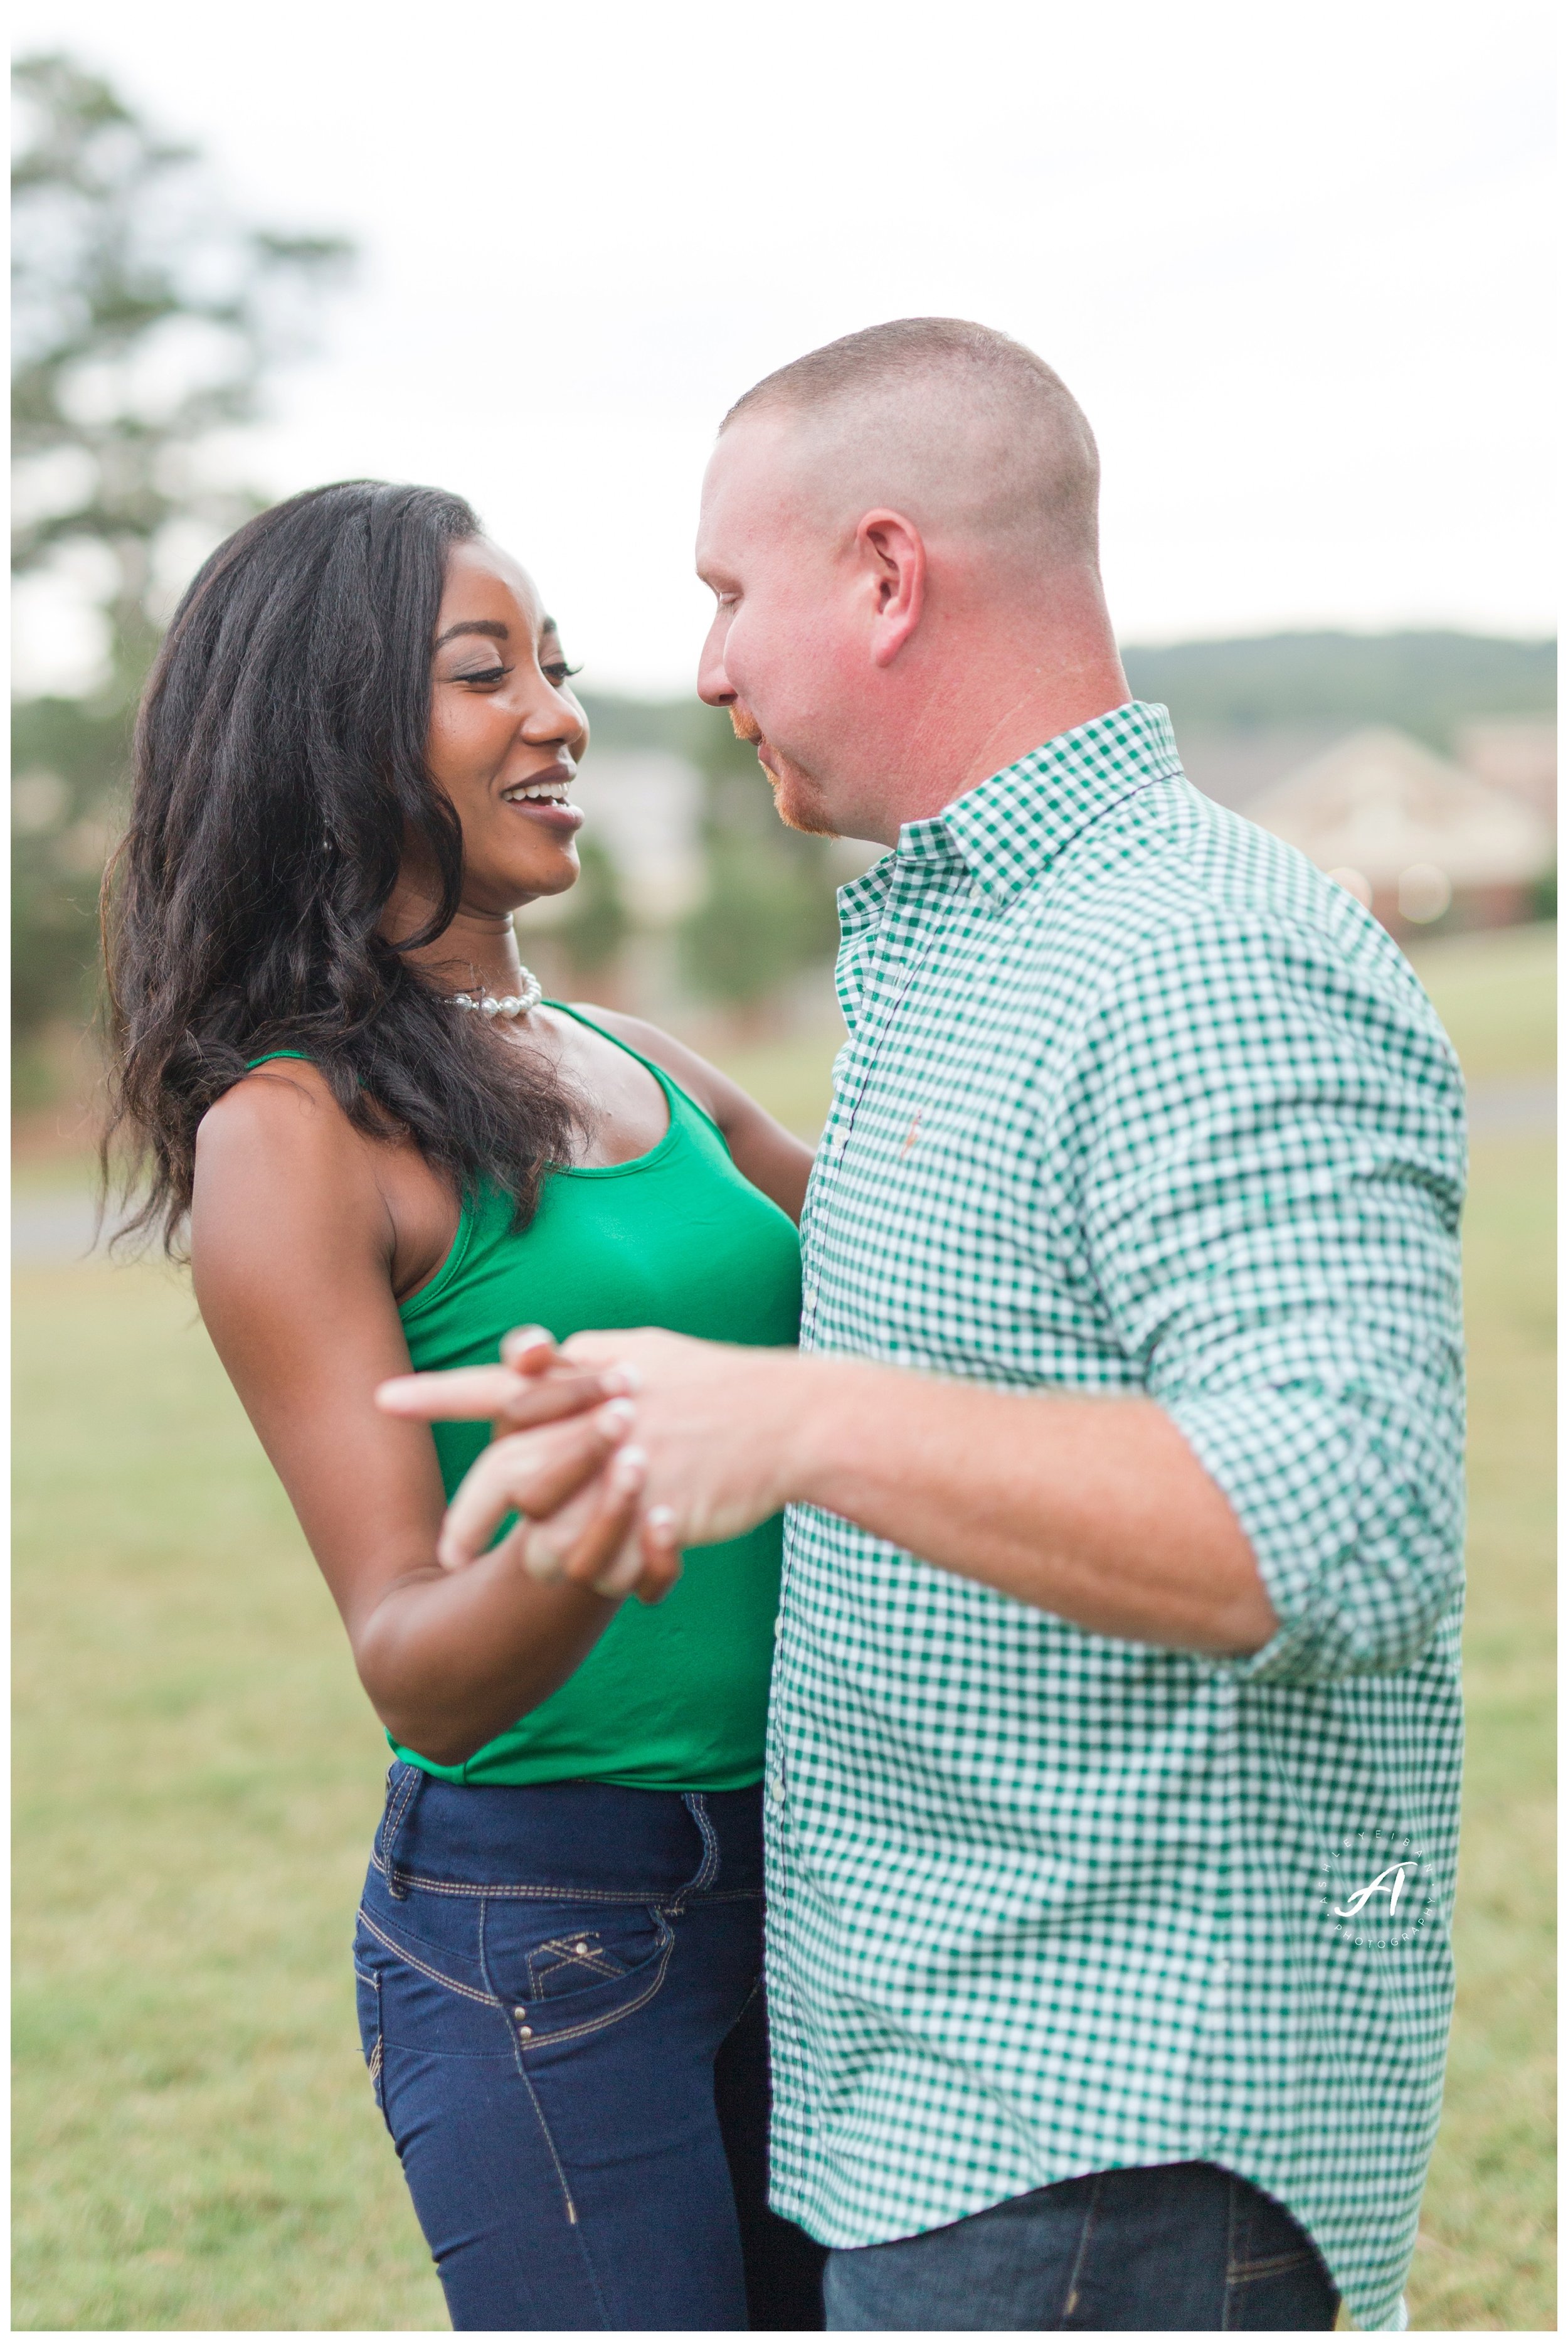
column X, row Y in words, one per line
column 912, row 1135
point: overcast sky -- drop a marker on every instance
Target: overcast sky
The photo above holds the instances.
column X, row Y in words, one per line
column 1296, row 263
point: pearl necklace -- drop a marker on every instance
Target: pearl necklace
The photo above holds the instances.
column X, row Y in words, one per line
column 511, row 1004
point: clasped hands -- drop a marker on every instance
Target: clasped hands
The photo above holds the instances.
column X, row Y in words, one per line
column 615, row 1451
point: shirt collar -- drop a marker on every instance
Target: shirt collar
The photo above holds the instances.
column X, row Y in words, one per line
column 861, row 901
column 1010, row 829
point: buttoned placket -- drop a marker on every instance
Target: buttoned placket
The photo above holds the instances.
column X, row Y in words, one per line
column 925, row 859
column 886, row 978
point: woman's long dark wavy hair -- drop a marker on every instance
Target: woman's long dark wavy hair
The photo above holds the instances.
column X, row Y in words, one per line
column 280, row 775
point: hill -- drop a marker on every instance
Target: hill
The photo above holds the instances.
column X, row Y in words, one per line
column 1314, row 684
column 1423, row 682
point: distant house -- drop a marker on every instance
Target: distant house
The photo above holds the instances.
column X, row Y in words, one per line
column 1410, row 833
column 1233, row 763
column 644, row 806
column 1518, row 753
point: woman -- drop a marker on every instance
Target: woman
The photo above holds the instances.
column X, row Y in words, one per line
column 354, row 763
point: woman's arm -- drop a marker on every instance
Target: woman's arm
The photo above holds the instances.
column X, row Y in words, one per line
column 292, row 1239
column 764, row 1151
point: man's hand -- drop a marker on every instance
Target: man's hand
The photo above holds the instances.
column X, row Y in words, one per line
column 712, row 1419
column 1092, row 1508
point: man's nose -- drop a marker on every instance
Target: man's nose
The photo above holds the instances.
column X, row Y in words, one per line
column 713, row 682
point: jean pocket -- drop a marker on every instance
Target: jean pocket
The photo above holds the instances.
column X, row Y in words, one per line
column 564, row 1969
column 368, row 2001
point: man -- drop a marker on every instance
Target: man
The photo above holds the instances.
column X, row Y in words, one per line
column 1114, row 1749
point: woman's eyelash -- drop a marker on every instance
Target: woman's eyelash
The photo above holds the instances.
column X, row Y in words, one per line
column 557, row 670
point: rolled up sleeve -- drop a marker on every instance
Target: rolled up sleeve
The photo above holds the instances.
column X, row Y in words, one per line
column 1274, row 1141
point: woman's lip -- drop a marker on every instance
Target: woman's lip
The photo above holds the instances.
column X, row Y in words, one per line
column 563, row 770
column 561, row 814
column 564, row 816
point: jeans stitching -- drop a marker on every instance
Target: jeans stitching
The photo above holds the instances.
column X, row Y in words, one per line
column 696, row 1805
column 566, row 1894
column 492, row 2000
column 1070, row 2298
column 591, row 2273
column 1246, row 2272
column 482, row 1950
column 545, row 2036
column 757, row 1988
column 376, row 2060
column 485, row 1999
column 602, row 1970
column 597, row 1963
column 1232, row 2209
column 545, row 2040
column 398, row 1806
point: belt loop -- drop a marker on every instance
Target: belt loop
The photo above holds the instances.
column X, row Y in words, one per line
column 399, row 1804
column 696, row 1805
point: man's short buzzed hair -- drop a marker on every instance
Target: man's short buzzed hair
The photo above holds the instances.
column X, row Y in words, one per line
column 996, row 426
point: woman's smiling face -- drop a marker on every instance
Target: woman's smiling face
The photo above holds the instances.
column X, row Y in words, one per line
column 506, row 732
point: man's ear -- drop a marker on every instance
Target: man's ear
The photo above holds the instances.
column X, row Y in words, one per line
column 893, row 553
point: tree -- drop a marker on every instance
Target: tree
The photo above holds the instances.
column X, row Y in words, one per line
column 146, row 322
column 595, row 930
column 770, row 906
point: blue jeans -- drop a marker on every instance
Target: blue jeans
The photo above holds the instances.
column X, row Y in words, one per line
column 1174, row 2248
column 560, row 2000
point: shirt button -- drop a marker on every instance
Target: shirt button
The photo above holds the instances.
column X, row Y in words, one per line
column 776, row 1788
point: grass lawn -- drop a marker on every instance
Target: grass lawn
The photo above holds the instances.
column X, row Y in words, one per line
column 1497, row 995
column 197, row 1776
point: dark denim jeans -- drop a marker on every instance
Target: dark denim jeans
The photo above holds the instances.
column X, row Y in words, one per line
column 1175, row 2249
column 559, row 1999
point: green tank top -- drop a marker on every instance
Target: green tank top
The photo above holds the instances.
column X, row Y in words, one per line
column 674, row 1697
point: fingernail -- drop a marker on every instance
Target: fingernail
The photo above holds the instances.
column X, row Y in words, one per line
column 621, row 1576
column 617, row 1417
column 660, row 1519
column 621, row 1378
column 629, row 1466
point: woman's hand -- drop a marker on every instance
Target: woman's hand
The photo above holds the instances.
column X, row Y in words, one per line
column 558, row 1460
column 719, row 1422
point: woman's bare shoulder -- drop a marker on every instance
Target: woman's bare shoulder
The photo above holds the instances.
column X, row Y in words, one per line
column 279, row 1161
column 283, row 1112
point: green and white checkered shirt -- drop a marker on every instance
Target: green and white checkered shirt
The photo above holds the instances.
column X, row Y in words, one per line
column 1133, row 1099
